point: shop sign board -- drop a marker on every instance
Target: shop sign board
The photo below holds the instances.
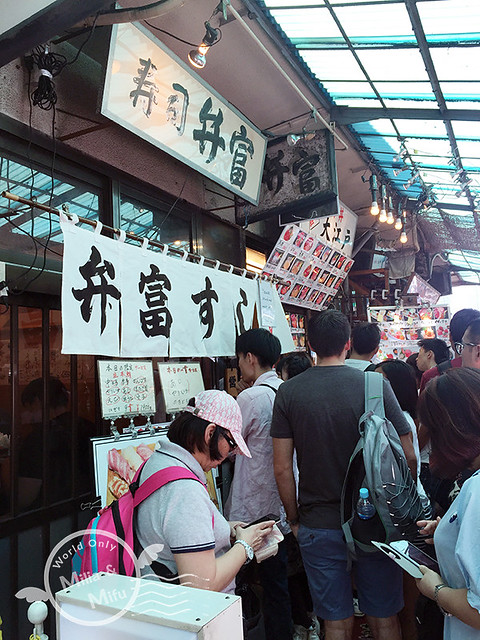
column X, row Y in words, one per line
column 299, row 182
column 154, row 94
column 180, row 382
column 310, row 271
column 128, row 301
column 402, row 327
column 126, row 388
column 336, row 231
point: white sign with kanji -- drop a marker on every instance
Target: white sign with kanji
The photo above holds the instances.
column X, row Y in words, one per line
column 180, row 382
column 126, row 388
column 157, row 96
column 142, row 303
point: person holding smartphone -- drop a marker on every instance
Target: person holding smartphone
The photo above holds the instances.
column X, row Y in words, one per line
column 450, row 409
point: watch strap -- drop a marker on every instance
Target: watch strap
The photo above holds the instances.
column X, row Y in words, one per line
column 248, row 549
column 437, row 589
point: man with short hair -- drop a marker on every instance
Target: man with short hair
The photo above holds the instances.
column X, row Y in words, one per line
column 458, row 325
column 470, row 346
column 433, row 351
column 253, row 492
column 317, row 414
column 365, row 344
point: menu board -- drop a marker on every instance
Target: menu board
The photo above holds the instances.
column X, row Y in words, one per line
column 180, row 382
column 402, row 327
column 310, row 270
column 126, row 388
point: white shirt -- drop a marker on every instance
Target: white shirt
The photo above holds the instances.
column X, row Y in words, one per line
column 456, row 540
column 358, row 364
column 254, row 492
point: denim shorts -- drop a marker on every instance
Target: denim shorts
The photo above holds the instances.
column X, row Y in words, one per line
column 378, row 579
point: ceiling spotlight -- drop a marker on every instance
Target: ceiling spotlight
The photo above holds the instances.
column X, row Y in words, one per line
column 411, row 180
column 197, row 57
column 398, row 171
column 293, row 138
column 403, row 237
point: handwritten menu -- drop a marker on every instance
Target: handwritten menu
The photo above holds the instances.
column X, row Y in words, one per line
column 402, row 328
column 126, row 388
column 180, row 382
column 311, row 271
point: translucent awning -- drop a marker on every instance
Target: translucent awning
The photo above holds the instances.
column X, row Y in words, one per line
column 417, row 60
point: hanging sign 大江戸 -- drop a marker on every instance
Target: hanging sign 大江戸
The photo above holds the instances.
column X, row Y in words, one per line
column 154, row 94
column 299, row 182
column 310, row 270
column 168, row 307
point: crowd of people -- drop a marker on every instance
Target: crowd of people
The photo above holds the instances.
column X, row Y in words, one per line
column 294, row 427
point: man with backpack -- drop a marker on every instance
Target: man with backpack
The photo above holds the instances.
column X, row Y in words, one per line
column 254, row 493
column 317, row 413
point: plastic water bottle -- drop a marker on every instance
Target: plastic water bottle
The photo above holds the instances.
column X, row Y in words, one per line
column 365, row 508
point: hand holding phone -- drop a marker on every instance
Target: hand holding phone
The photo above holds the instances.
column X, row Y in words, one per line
column 269, row 517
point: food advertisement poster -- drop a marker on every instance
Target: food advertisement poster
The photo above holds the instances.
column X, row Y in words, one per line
column 180, row 382
column 117, row 461
column 126, row 388
column 402, row 328
column 310, row 271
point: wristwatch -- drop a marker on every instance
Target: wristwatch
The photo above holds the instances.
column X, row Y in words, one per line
column 438, row 587
column 248, row 550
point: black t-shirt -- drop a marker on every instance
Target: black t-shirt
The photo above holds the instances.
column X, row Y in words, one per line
column 320, row 409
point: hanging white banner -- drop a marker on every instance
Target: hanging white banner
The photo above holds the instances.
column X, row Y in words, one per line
column 91, row 292
column 169, row 307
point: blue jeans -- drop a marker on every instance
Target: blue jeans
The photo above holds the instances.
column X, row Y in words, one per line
column 276, row 600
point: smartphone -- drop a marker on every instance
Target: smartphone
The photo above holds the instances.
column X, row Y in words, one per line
column 269, row 516
column 416, row 554
column 407, row 556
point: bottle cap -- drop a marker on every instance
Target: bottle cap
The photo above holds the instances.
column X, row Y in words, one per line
column 363, row 493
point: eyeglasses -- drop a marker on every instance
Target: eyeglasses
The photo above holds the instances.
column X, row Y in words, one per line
column 230, row 441
column 460, row 346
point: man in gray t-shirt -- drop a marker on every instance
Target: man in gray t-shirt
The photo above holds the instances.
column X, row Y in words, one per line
column 317, row 413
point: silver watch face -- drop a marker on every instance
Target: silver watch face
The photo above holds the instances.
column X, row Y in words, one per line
column 249, row 551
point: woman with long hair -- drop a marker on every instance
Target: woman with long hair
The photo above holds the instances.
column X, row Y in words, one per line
column 450, row 408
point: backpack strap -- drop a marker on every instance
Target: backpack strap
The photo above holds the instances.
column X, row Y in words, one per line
column 374, row 394
column 269, row 386
column 161, row 478
column 444, row 366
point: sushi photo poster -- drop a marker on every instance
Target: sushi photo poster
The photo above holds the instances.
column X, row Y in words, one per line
column 116, row 461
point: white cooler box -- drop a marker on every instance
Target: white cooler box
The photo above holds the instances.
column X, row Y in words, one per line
column 112, row 607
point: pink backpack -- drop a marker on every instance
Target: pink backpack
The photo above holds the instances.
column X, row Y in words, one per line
column 100, row 549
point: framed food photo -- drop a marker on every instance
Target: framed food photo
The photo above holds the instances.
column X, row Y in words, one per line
column 116, row 462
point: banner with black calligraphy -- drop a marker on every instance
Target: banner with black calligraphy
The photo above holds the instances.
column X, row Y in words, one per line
column 168, row 306
column 91, row 292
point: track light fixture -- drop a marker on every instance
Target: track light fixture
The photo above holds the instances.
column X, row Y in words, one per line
column 197, row 57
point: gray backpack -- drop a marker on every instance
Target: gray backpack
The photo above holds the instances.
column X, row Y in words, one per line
column 379, row 464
